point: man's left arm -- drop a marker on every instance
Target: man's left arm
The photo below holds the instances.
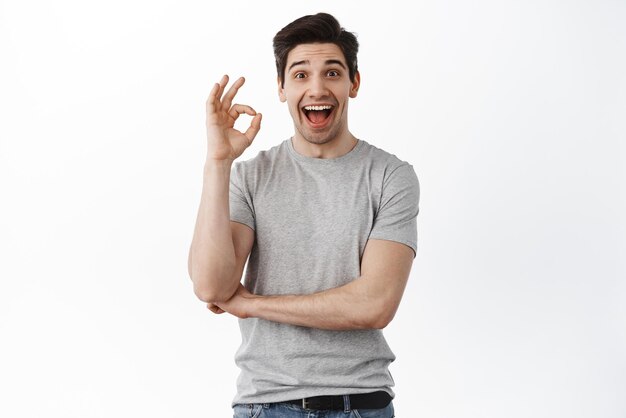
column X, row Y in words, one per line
column 370, row 301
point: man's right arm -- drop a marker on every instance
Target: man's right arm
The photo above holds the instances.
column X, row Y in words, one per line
column 213, row 259
column 220, row 248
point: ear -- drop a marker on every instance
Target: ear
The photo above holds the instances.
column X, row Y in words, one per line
column 281, row 91
column 354, row 89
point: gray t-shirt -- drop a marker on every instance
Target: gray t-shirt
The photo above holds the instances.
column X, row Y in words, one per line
column 312, row 218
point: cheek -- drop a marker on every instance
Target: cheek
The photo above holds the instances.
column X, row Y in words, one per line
column 293, row 109
column 293, row 103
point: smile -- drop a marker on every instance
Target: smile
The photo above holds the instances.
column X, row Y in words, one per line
column 318, row 115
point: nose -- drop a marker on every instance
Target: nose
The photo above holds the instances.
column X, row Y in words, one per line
column 317, row 87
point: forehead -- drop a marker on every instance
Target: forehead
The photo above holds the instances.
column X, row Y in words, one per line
column 315, row 53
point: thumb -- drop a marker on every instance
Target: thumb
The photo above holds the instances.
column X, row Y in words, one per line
column 255, row 126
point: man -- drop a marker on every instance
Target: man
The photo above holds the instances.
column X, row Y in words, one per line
column 329, row 224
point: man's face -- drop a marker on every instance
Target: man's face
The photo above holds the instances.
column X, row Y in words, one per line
column 317, row 87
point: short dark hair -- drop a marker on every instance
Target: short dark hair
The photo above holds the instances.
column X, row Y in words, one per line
column 309, row 29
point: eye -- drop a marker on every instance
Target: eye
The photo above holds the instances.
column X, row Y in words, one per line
column 299, row 75
column 333, row 73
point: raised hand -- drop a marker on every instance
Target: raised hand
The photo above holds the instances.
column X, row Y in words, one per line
column 224, row 142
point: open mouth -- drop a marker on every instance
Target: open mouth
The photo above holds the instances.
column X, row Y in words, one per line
column 318, row 115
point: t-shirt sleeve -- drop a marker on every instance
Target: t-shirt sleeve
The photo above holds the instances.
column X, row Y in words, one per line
column 396, row 218
column 240, row 200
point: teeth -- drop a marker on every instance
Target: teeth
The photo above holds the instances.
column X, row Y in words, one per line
column 317, row 107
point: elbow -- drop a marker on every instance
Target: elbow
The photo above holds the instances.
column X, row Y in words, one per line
column 209, row 295
column 204, row 296
column 380, row 321
column 372, row 313
column 214, row 286
column 382, row 316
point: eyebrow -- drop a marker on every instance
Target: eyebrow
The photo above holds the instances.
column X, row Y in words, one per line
column 327, row 62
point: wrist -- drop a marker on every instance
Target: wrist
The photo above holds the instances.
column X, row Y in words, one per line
column 212, row 163
column 252, row 306
column 217, row 168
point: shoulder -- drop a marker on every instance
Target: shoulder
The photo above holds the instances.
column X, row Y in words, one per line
column 386, row 162
column 261, row 162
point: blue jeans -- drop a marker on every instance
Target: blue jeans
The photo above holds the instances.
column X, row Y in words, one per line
column 287, row 410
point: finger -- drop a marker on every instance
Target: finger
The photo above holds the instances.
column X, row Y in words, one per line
column 239, row 109
column 255, row 126
column 232, row 91
column 223, row 83
column 211, row 101
column 216, row 93
column 215, row 309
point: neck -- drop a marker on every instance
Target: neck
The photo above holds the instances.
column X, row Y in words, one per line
column 331, row 149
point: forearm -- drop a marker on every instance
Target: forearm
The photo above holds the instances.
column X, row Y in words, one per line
column 369, row 301
column 212, row 253
column 356, row 305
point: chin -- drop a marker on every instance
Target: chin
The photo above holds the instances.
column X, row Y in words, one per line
column 320, row 138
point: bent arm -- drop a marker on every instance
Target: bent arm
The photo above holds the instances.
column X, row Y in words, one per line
column 211, row 261
column 370, row 301
column 216, row 251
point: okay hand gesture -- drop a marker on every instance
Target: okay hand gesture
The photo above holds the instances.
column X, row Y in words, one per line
column 224, row 142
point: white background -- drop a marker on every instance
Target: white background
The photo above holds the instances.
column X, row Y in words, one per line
column 511, row 112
